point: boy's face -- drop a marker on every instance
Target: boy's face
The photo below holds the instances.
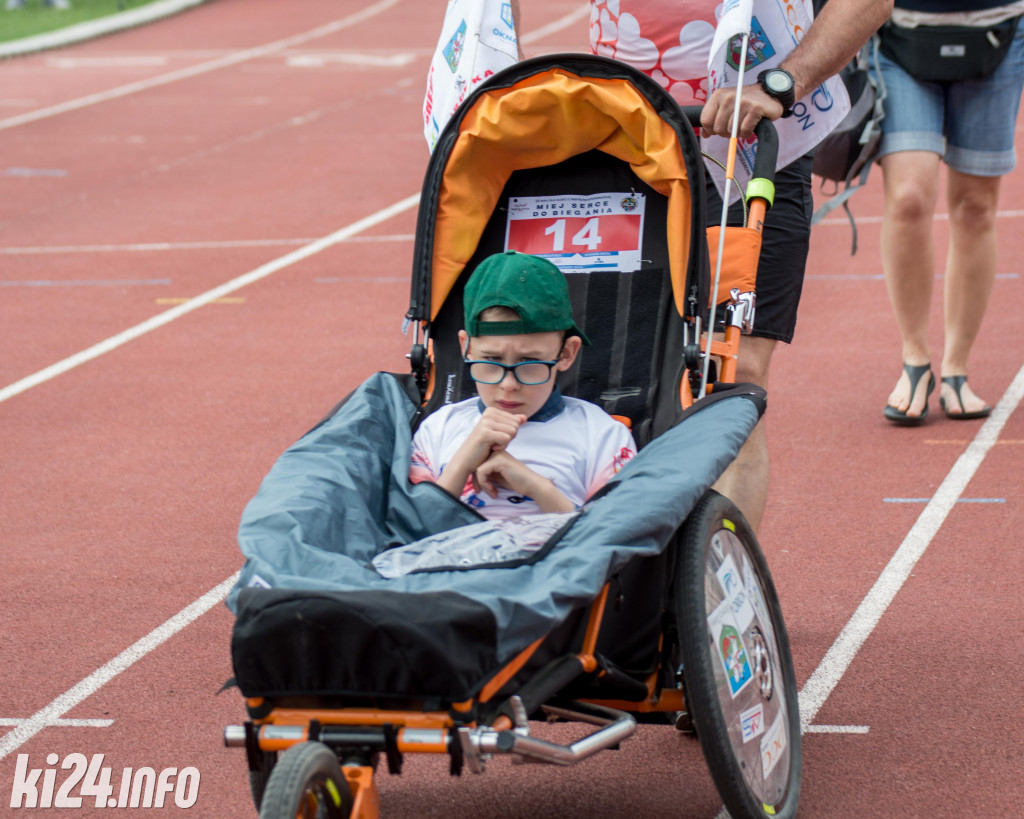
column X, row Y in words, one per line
column 509, row 394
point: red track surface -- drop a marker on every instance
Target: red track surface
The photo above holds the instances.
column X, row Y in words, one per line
column 122, row 480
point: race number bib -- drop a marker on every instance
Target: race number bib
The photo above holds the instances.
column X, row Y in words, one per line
column 579, row 233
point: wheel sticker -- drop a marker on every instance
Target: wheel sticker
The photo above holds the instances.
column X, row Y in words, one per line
column 773, row 745
column 332, row 789
column 716, row 545
column 754, row 594
column 730, row 648
column 752, row 722
column 735, row 593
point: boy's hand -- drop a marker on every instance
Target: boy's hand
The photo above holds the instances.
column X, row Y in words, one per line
column 492, row 433
column 504, row 470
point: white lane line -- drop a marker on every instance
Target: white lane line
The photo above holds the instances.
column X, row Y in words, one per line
column 555, row 25
column 398, row 60
column 73, row 696
column 208, row 297
column 63, row 723
column 88, row 283
column 112, row 61
column 941, row 217
column 836, row 729
column 203, row 68
column 855, row 277
column 148, row 247
column 839, row 657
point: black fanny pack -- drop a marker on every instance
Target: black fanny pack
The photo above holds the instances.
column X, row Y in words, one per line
column 947, row 53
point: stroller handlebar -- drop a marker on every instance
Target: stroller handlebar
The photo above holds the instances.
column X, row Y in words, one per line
column 767, row 143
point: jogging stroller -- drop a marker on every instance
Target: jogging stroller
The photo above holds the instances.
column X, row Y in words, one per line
column 377, row 618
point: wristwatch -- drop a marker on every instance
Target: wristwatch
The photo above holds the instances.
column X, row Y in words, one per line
column 778, row 83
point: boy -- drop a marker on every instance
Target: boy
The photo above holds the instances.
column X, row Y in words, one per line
column 520, row 447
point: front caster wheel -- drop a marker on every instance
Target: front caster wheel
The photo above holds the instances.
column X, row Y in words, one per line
column 307, row 783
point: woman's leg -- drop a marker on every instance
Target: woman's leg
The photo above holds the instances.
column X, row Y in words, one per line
column 970, row 273
column 908, row 260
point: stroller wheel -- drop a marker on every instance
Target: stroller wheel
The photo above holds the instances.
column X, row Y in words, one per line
column 737, row 667
column 307, row 783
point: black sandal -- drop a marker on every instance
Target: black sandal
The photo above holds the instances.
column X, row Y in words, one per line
column 915, row 373
column 957, row 382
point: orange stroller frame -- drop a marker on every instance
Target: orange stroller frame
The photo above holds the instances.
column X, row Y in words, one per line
column 722, row 664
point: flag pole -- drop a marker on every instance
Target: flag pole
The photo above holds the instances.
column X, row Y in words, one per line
column 730, row 165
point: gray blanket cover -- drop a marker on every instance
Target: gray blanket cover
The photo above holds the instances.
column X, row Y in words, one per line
column 314, row 617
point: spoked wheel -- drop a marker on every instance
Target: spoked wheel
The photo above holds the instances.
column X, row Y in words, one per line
column 737, row 666
column 307, row 783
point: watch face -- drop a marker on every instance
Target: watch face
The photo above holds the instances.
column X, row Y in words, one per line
column 778, row 82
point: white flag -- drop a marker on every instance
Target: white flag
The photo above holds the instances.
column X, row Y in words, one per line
column 478, row 39
column 734, row 21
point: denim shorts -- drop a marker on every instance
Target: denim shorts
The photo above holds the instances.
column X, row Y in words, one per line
column 969, row 123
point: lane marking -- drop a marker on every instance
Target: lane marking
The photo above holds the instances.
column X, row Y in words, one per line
column 209, row 296
column 340, row 280
column 556, row 25
column 941, row 217
column 30, row 172
column 229, row 300
column 73, row 696
column 863, row 621
column 203, row 68
column 63, row 723
column 873, row 277
column 958, row 500
column 111, row 61
column 213, row 245
column 88, row 283
column 398, row 60
column 836, row 729
column 961, row 442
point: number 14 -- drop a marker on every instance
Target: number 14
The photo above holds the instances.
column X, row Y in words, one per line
column 588, row 235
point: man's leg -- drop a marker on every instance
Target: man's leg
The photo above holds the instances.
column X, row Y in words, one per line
column 745, row 482
column 970, row 273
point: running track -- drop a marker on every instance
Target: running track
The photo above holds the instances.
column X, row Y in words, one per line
column 205, row 239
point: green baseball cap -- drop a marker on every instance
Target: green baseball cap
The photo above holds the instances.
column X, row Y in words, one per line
column 530, row 285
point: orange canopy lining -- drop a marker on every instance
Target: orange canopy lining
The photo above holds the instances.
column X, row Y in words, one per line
column 541, row 121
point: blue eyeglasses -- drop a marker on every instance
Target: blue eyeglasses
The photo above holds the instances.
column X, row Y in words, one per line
column 527, row 373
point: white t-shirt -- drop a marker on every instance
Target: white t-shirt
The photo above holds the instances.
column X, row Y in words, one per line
column 580, row 448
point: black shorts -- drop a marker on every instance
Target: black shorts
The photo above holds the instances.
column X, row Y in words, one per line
column 784, row 245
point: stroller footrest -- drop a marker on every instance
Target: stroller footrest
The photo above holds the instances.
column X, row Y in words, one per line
column 618, row 725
